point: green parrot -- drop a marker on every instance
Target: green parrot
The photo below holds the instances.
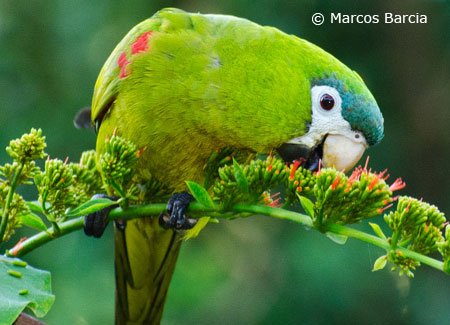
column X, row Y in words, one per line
column 182, row 85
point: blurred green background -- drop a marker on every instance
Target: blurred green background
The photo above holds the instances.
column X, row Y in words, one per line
column 257, row 270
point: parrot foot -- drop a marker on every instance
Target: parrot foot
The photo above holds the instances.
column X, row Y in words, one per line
column 95, row 223
column 176, row 207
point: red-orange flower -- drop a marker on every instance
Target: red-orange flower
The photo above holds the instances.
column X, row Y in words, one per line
column 336, row 182
column 294, row 168
column 397, row 185
column 373, row 182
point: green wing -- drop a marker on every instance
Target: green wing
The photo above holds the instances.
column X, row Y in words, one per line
column 108, row 82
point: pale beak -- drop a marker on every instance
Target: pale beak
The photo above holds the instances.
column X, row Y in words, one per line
column 342, row 152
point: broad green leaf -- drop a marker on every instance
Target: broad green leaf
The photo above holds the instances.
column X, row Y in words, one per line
column 307, row 205
column 16, row 277
column 34, row 206
column 380, row 263
column 241, row 180
column 200, row 194
column 377, row 230
column 33, row 221
column 90, row 206
column 338, row 239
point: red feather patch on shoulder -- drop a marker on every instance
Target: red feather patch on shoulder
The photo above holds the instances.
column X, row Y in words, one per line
column 139, row 45
column 123, row 62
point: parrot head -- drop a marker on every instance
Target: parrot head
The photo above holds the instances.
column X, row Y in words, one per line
column 345, row 120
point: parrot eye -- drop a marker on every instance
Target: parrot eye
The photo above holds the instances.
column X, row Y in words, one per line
column 327, row 102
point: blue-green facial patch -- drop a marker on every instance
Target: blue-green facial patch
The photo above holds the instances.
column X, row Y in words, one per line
column 359, row 107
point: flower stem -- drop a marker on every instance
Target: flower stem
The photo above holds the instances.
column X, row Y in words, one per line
column 394, row 240
column 350, row 232
column 118, row 189
column 274, row 212
column 197, row 210
column 56, row 228
column 45, row 236
column 9, row 199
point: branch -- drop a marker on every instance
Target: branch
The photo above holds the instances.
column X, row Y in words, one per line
column 198, row 210
column 25, row 319
column 376, row 241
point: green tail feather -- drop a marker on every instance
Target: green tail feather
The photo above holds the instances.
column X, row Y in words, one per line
column 146, row 255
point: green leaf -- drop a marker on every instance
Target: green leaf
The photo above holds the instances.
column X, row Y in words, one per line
column 14, row 297
column 33, row 221
column 307, row 205
column 90, row 206
column 377, row 230
column 34, row 206
column 338, row 239
column 380, row 263
column 200, row 194
column 241, row 180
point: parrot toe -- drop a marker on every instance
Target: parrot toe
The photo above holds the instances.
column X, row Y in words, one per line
column 176, row 208
column 95, row 223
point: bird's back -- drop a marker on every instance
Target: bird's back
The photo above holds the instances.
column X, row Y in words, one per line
column 184, row 84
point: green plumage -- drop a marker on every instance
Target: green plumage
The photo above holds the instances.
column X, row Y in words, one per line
column 202, row 82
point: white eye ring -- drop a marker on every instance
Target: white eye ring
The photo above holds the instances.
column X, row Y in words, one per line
column 319, row 92
column 327, row 122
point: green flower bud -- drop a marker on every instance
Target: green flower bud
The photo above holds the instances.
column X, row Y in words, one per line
column 54, row 186
column 29, row 147
column 118, row 162
column 444, row 248
column 419, row 225
column 405, row 264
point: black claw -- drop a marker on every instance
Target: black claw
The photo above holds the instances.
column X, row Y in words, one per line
column 176, row 208
column 120, row 224
column 181, row 218
column 95, row 223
